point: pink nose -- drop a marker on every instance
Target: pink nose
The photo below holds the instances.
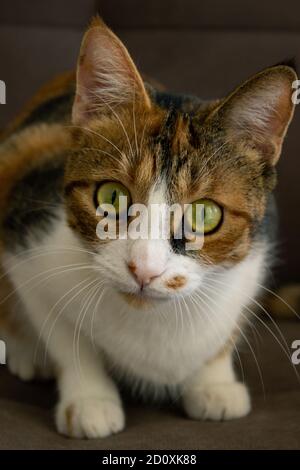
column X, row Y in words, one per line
column 144, row 274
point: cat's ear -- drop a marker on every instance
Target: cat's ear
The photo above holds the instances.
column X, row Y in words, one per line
column 260, row 110
column 106, row 74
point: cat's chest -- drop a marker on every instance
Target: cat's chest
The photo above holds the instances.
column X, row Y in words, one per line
column 168, row 343
column 164, row 345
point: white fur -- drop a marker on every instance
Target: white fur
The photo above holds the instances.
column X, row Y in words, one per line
column 169, row 343
column 215, row 393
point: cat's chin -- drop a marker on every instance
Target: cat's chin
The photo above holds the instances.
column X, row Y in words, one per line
column 141, row 300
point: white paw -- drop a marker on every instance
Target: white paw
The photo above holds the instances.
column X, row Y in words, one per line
column 218, row 401
column 89, row 418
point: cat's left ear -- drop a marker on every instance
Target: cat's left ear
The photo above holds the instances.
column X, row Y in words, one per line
column 260, row 110
column 106, row 74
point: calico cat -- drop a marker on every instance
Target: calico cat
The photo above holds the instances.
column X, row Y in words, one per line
column 148, row 312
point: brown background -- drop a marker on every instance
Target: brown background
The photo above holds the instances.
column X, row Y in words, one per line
column 204, row 47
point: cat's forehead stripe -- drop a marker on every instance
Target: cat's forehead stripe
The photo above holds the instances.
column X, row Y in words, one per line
column 157, row 194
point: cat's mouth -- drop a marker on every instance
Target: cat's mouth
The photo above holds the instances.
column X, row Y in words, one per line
column 137, row 299
column 141, row 299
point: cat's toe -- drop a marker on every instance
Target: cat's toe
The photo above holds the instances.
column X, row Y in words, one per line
column 218, row 401
column 90, row 418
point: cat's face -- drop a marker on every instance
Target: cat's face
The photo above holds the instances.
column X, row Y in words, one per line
column 221, row 155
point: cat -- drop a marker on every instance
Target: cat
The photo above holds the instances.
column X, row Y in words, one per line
column 91, row 312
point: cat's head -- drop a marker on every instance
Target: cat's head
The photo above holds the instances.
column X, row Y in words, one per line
column 222, row 154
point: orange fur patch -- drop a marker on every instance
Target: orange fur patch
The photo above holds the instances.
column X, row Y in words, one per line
column 132, row 267
column 176, row 282
column 136, row 301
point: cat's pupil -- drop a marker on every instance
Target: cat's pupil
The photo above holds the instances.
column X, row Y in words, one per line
column 113, row 196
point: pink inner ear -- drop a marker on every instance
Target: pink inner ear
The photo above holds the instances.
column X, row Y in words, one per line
column 106, row 75
column 264, row 111
column 280, row 117
column 261, row 109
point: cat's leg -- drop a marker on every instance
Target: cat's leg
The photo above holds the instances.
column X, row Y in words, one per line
column 89, row 402
column 214, row 392
column 90, row 405
column 21, row 339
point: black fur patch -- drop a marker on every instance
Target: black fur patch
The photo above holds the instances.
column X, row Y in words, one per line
column 34, row 204
column 54, row 110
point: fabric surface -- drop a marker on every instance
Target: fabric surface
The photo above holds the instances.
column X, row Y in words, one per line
column 26, row 409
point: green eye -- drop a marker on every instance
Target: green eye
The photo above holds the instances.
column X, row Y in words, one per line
column 110, row 192
column 212, row 215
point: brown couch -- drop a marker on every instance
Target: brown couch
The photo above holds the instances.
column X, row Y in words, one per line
column 204, row 47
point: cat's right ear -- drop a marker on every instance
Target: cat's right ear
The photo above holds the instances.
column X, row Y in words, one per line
column 106, row 75
column 260, row 110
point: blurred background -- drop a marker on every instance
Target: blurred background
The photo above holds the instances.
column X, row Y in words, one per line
column 205, row 47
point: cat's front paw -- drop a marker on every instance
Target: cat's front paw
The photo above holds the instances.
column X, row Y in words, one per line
column 217, row 401
column 89, row 418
